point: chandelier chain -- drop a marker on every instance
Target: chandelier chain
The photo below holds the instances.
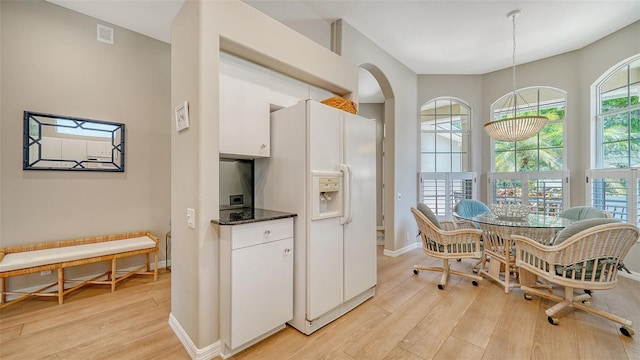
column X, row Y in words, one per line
column 513, row 74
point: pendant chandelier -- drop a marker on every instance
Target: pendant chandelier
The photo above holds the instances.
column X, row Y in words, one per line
column 515, row 128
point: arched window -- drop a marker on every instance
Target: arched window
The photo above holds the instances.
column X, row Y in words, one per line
column 444, row 155
column 444, row 135
column 532, row 171
column 614, row 183
column 618, row 117
column 543, row 152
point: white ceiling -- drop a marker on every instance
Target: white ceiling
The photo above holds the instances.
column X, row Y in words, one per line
column 429, row 36
column 471, row 37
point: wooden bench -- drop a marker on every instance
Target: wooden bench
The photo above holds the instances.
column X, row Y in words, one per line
column 59, row 255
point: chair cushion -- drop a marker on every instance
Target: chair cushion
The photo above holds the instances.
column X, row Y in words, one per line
column 578, row 226
column 571, row 230
column 429, row 214
column 470, row 208
column 582, row 213
column 577, row 268
column 28, row 259
column 466, row 248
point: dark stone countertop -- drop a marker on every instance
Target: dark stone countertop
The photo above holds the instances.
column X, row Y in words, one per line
column 249, row 215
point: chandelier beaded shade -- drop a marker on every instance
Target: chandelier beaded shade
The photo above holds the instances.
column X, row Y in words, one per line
column 515, row 128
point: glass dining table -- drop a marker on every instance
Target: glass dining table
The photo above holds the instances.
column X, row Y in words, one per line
column 498, row 257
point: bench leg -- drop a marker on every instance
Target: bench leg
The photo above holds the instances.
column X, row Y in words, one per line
column 4, row 290
column 155, row 269
column 60, row 285
column 113, row 274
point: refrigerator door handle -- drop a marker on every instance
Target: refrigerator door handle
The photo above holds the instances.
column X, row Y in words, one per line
column 346, row 194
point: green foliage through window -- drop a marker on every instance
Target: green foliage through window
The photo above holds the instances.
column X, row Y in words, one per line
column 618, row 117
column 542, row 152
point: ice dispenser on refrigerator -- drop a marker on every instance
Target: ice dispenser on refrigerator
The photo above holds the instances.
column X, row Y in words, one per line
column 327, row 195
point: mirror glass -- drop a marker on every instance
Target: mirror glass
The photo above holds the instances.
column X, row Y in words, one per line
column 56, row 142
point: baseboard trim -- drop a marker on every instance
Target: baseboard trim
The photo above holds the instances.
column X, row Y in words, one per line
column 633, row 276
column 206, row 353
column 396, row 253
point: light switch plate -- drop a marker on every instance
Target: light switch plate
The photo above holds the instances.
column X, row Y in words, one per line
column 191, row 218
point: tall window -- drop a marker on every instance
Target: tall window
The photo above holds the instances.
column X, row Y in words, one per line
column 84, row 128
column 444, row 129
column 532, row 171
column 614, row 185
column 542, row 152
column 618, row 117
column 444, row 154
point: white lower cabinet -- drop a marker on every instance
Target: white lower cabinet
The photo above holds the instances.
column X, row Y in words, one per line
column 256, row 281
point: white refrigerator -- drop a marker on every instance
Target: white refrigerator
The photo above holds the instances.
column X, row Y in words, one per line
column 323, row 168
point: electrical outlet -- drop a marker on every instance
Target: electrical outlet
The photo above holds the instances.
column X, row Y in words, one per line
column 408, row 237
column 236, row 200
column 45, row 272
column 191, row 218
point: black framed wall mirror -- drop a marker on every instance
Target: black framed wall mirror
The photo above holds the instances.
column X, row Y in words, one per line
column 57, row 142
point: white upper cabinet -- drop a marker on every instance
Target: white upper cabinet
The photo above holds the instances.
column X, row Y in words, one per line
column 244, row 112
column 248, row 92
column 99, row 149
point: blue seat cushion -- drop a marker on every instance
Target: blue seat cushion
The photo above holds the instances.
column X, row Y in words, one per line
column 470, row 208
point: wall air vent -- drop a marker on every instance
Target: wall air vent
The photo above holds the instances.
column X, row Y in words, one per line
column 105, row 34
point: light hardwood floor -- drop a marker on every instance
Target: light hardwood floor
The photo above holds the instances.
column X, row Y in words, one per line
column 409, row 318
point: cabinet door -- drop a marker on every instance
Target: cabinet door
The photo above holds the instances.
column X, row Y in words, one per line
column 244, row 115
column 51, row 149
column 262, row 289
column 98, row 149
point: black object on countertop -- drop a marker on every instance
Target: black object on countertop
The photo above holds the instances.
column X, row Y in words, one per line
column 249, row 215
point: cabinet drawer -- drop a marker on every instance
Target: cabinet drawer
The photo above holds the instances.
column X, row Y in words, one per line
column 261, row 232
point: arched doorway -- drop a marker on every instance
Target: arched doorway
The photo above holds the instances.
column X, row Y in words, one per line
column 375, row 102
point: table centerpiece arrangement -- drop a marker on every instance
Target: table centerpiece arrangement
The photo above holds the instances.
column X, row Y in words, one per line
column 512, row 212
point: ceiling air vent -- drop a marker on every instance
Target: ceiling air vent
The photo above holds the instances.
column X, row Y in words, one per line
column 105, row 34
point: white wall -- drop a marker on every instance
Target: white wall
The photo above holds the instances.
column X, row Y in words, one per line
column 298, row 17
column 401, row 121
column 52, row 63
column 376, row 111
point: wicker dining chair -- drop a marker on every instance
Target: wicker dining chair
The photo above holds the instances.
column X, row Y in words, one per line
column 446, row 245
column 583, row 257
